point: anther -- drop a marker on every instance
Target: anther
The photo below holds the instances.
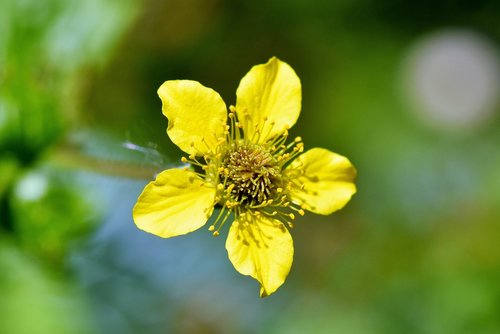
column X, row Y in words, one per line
column 216, row 233
column 184, row 159
column 211, row 228
column 230, row 188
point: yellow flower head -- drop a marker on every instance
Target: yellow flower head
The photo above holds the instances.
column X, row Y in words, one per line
column 245, row 165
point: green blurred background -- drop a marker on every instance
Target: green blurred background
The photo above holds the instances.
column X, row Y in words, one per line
column 409, row 91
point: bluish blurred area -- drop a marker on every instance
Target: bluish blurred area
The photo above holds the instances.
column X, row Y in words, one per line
column 408, row 91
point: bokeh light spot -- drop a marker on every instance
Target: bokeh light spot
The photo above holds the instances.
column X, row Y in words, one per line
column 32, row 187
column 452, row 80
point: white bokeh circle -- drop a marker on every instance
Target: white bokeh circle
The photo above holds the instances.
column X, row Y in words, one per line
column 452, row 79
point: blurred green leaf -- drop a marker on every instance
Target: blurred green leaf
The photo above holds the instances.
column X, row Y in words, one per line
column 36, row 302
column 50, row 213
column 44, row 49
column 8, row 171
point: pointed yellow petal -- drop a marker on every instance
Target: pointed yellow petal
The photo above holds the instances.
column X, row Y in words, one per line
column 196, row 115
column 268, row 100
column 326, row 178
column 261, row 248
column 177, row 202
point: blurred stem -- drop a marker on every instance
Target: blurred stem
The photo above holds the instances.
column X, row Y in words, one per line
column 72, row 157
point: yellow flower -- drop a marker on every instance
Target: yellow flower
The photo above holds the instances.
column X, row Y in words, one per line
column 243, row 164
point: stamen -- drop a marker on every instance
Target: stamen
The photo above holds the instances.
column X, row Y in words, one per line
column 216, row 232
column 252, row 175
column 272, row 124
column 249, row 176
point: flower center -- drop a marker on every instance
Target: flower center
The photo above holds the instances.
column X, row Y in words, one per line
column 252, row 174
column 251, row 178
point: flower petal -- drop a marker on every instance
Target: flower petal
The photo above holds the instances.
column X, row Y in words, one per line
column 269, row 93
column 196, row 115
column 261, row 248
column 176, row 203
column 325, row 180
